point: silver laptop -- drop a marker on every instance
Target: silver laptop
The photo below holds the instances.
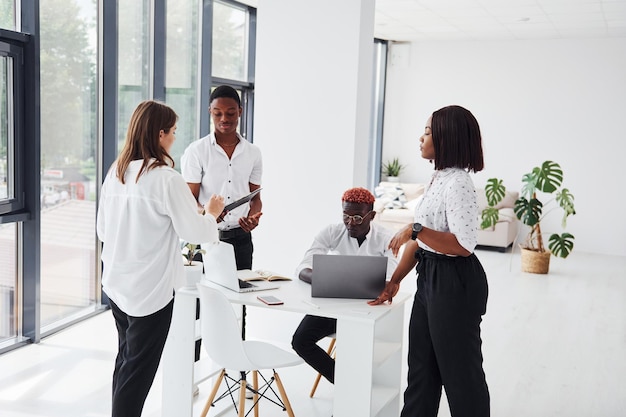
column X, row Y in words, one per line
column 220, row 267
column 348, row 276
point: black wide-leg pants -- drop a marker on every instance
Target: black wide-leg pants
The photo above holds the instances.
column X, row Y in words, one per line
column 444, row 338
column 140, row 344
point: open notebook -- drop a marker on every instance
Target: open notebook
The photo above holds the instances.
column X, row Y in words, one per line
column 260, row 275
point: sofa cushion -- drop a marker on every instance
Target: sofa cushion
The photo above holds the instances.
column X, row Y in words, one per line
column 506, row 215
column 412, row 191
column 390, row 196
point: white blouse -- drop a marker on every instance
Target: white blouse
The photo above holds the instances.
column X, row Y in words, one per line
column 140, row 224
column 449, row 205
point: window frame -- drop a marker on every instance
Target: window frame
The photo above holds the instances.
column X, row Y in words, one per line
column 12, row 44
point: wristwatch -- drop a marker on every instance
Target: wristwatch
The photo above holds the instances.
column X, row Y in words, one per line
column 417, row 227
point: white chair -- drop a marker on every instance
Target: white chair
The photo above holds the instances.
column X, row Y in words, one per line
column 223, row 343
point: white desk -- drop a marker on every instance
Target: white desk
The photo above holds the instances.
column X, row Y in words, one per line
column 369, row 349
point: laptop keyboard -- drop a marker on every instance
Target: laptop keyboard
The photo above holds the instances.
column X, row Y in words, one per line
column 244, row 284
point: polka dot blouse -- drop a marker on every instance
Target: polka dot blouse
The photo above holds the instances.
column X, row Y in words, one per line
column 449, row 205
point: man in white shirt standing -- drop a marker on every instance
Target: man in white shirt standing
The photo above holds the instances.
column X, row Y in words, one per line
column 224, row 162
column 357, row 235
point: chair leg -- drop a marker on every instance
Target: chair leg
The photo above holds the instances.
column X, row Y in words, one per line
column 255, row 397
column 330, row 350
column 315, row 384
column 207, row 406
column 283, row 394
column 242, row 398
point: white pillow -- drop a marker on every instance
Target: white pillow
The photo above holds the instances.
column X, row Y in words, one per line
column 391, row 196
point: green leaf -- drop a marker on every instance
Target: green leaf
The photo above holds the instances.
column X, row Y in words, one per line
column 529, row 182
column 562, row 245
column 494, row 191
column 490, row 217
column 529, row 212
column 549, row 177
column 566, row 202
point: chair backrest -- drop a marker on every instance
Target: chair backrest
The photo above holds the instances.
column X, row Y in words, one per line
column 221, row 334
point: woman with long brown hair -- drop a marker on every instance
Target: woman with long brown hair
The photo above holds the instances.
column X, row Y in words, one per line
column 145, row 208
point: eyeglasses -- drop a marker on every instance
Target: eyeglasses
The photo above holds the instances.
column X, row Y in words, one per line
column 356, row 219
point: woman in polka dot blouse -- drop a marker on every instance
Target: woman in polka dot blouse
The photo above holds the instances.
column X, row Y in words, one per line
column 444, row 328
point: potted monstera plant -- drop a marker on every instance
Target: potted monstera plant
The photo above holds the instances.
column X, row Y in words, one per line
column 542, row 181
column 193, row 268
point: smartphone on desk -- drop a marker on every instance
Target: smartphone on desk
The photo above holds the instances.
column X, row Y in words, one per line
column 270, row 300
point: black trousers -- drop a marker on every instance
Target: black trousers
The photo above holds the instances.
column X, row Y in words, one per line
column 444, row 338
column 140, row 345
column 311, row 330
column 242, row 243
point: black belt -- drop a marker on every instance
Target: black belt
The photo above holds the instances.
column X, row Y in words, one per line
column 232, row 233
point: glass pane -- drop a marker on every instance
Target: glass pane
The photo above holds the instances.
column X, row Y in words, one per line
column 7, row 14
column 181, row 83
column 133, row 60
column 6, row 127
column 8, row 280
column 69, row 41
column 229, row 42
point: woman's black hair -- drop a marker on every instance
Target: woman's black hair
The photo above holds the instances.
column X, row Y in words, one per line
column 456, row 139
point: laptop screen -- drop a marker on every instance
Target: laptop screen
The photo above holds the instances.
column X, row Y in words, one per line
column 348, row 276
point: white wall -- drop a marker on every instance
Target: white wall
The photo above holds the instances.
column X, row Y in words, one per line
column 561, row 100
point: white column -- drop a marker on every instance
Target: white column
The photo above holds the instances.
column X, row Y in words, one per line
column 312, row 117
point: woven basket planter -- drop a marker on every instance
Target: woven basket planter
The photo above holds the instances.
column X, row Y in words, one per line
column 535, row 262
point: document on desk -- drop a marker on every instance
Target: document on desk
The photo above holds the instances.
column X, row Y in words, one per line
column 260, row 275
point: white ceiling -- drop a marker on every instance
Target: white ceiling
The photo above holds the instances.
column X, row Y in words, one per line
column 407, row 20
column 404, row 20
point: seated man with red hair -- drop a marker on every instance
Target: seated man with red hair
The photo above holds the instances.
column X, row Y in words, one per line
column 357, row 235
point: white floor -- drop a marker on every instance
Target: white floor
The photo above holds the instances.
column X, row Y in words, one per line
column 553, row 345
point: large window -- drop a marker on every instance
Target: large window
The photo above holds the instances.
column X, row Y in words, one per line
column 8, row 282
column 7, row 189
column 378, row 105
column 8, row 276
column 134, row 57
column 68, row 159
column 230, row 41
column 73, row 130
column 7, row 14
column 232, row 55
column 11, row 180
column 181, row 71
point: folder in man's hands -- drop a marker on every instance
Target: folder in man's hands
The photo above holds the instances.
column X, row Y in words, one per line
column 242, row 200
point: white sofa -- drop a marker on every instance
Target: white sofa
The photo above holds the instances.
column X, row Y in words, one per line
column 395, row 206
column 395, row 203
column 503, row 234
